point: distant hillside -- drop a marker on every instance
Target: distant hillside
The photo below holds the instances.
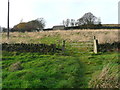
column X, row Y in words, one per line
column 111, row 25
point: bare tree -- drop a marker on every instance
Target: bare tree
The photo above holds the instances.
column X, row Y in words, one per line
column 0, row 29
column 63, row 22
column 37, row 25
column 72, row 23
column 98, row 21
column 40, row 23
column 87, row 19
column 66, row 22
column 76, row 23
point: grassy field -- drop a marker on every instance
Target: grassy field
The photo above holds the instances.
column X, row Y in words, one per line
column 104, row 36
column 32, row 70
column 68, row 70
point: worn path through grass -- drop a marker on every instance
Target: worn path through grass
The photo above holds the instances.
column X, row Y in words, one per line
column 45, row 71
column 52, row 71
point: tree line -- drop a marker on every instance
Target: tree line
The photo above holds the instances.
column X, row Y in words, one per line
column 87, row 21
column 31, row 26
column 34, row 25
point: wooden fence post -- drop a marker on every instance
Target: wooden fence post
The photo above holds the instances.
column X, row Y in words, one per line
column 53, row 46
column 63, row 46
column 95, row 45
column 58, row 43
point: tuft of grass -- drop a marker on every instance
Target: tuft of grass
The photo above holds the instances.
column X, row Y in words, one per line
column 106, row 78
column 15, row 66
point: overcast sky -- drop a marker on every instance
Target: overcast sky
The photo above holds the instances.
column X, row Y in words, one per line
column 54, row 11
column 119, row 12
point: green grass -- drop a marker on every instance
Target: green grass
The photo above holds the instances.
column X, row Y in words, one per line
column 53, row 71
column 75, row 68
